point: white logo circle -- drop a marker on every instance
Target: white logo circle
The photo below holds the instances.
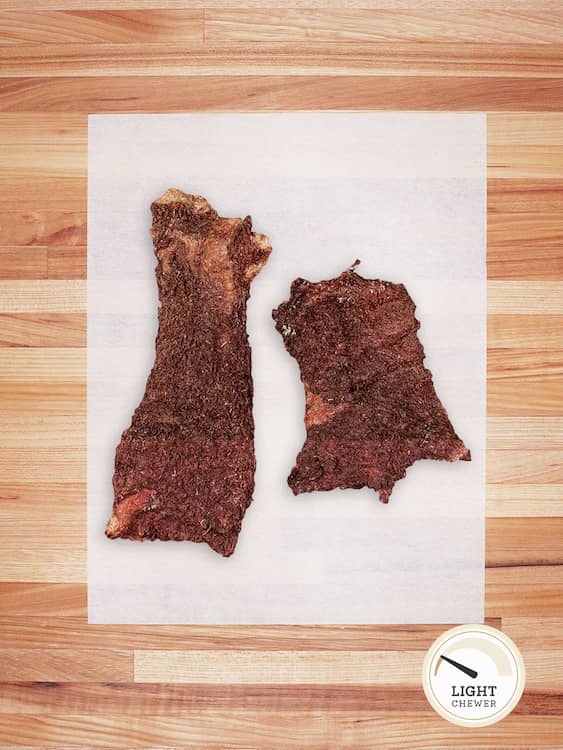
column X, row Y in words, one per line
column 473, row 675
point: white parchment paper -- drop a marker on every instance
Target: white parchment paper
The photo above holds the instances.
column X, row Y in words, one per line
column 405, row 193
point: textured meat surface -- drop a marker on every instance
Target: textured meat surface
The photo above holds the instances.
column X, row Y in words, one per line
column 184, row 469
column 371, row 407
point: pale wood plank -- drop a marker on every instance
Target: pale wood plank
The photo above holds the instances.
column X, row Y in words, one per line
column 88, row 26
column 537, row 331
column 43, row 366
column 326, row 668
column 50, row 296
column 526, row 500
column 525, row 161
column 510, row 129
column 322, row 730
column 43, row 465
column 525, row 433
column 525, row 297
column 218, row 93
column 43, row 227
column 21, row 429
column 58, row 665
column 525, row 466
column 47, row 562
column 267, row 25
column 279, row 667
column 43, row 330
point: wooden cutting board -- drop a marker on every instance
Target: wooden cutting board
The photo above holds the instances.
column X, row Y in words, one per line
column 65, row 683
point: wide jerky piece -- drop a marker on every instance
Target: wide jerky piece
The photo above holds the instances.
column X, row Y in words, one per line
column 184, row 469
column 371, row 407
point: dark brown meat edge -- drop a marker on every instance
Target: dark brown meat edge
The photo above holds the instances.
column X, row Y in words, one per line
column 371, row 408
column 184, row 469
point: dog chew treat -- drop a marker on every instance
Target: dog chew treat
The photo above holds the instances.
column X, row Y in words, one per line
column 371, row 408
column 184, row 469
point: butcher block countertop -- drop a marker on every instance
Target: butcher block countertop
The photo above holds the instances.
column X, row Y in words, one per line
column 64, row 683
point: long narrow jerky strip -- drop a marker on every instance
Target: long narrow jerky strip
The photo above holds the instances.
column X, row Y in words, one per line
column 184, row 469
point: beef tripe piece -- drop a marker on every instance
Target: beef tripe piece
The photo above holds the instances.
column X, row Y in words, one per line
column 184, row 469
column 371, row 408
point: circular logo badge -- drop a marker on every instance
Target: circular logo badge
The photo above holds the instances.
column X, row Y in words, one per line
column 473, row 675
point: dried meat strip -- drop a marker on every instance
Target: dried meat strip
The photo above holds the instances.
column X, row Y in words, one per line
column 371, row 407
column 184, row 469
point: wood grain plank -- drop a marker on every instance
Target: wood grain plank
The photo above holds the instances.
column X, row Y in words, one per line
column 525, row 162
column 524, row 262
column 75, row 632
column 509, row 195
column 525, row 398
column 525, row 433
column 525, row 297
column 88, row 26
column 527, row 632
column 533, row 365
column 519, row 541
column 540, row 5
column 527, row 232
column 21, row 429
column 65, row 664
column 249, row 93
column 40, row 400
column 520, row 591
column 66, row 262
column 172, row 700
column 42, row 174
column 244, row 26
column 509, row 129
column 44, row 599
column 442, row 59
column 43, row 330
column 43, row 296
column 43, row 366
column 23, row 262
column 538, row 331
column 304, row 668
column 525, row 466
column 322, row 730
column 43, row 227
column 36, row 128
column 43, row 465
column 526, row 500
